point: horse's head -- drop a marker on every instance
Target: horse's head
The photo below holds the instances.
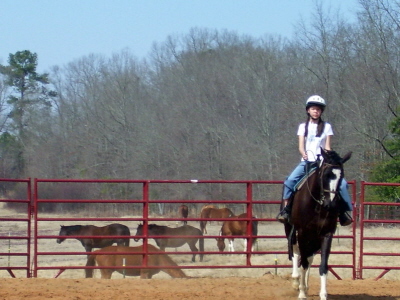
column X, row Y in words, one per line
column 331, row 174
column 220, row 243
column 63, row 231
column 139, row 232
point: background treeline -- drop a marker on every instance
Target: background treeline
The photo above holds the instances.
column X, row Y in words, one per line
column 209, row 104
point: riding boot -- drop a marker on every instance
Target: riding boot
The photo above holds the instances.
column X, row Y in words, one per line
column 345, row 218
column 283, row 215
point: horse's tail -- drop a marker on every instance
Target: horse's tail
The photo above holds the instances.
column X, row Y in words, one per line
column 125, row 231
column 254, row 230
column 203, row 223
column 203, row 226
column 91, row 262
column 254, row 227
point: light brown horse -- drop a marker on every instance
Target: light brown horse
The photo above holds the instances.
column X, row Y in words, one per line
column 213, row 213
column 160, row 260
column 183, row 212
column 208, row 206
column 236, row 228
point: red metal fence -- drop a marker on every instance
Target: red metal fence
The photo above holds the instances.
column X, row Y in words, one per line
column 378, row 226
column 16, row 228
column 154, row 201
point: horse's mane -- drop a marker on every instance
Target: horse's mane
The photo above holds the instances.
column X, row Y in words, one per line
column 332, row 157
column 73, row 227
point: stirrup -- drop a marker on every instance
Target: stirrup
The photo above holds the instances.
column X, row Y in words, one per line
column 345, row 218
column 283, row 215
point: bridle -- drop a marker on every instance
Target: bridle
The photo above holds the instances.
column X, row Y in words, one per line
column 321, row 170
column 320, row 173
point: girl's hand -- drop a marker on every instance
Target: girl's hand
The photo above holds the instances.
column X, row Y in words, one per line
column 305, row 157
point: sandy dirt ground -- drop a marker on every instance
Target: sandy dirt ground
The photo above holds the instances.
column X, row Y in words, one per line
column 266, row 287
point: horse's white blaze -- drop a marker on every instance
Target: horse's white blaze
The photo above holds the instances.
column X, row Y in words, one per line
column 323, row 293
column 333, row 184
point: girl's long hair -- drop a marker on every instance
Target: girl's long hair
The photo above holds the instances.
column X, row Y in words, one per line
column 320, row 127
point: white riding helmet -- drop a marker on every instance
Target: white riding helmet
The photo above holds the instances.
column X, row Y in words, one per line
column 315, row 100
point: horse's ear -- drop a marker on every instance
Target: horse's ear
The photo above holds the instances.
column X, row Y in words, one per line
column 346, row 157
column 324, row 153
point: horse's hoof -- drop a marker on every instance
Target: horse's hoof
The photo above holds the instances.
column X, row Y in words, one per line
column 295, row 284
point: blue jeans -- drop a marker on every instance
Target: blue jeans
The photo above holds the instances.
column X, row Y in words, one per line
column 299, row 172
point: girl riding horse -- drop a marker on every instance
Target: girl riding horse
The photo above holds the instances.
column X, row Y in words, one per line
column 313, row 135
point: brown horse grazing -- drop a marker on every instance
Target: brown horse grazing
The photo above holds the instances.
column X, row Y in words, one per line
column 237, row 228
column 186, row 234
column 91, row 230
column 313, row 220
column 213, row 213
column 183, row 212
column 160, row 260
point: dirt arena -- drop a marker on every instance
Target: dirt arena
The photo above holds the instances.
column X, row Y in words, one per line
column 267, row 287
column 205, row 284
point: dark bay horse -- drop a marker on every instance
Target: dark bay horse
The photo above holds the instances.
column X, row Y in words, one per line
column 183, row 211
column 185, row 234
column 91, row 230
column 160, row 260
column 213, row 213
column 313, row 220
column 234, row 229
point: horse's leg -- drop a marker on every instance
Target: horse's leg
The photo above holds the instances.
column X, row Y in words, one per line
column 88, row 249
column 323, row 268
column 304, row 277
column 194, row 249
column 295, row 267
column 145, row 274
column 231, row 247
column 106, row 273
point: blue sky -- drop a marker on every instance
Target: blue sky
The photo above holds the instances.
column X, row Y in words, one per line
column 61, row 31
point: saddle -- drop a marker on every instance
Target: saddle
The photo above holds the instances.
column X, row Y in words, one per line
column 309, row 171
column 304, row 178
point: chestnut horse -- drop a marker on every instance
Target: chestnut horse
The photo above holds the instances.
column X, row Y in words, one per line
column 160, row 260
column 91, row 230
column 313, row 220
column 185, row 234
column 213, row 214
column 237, row 228
column 183, row 212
